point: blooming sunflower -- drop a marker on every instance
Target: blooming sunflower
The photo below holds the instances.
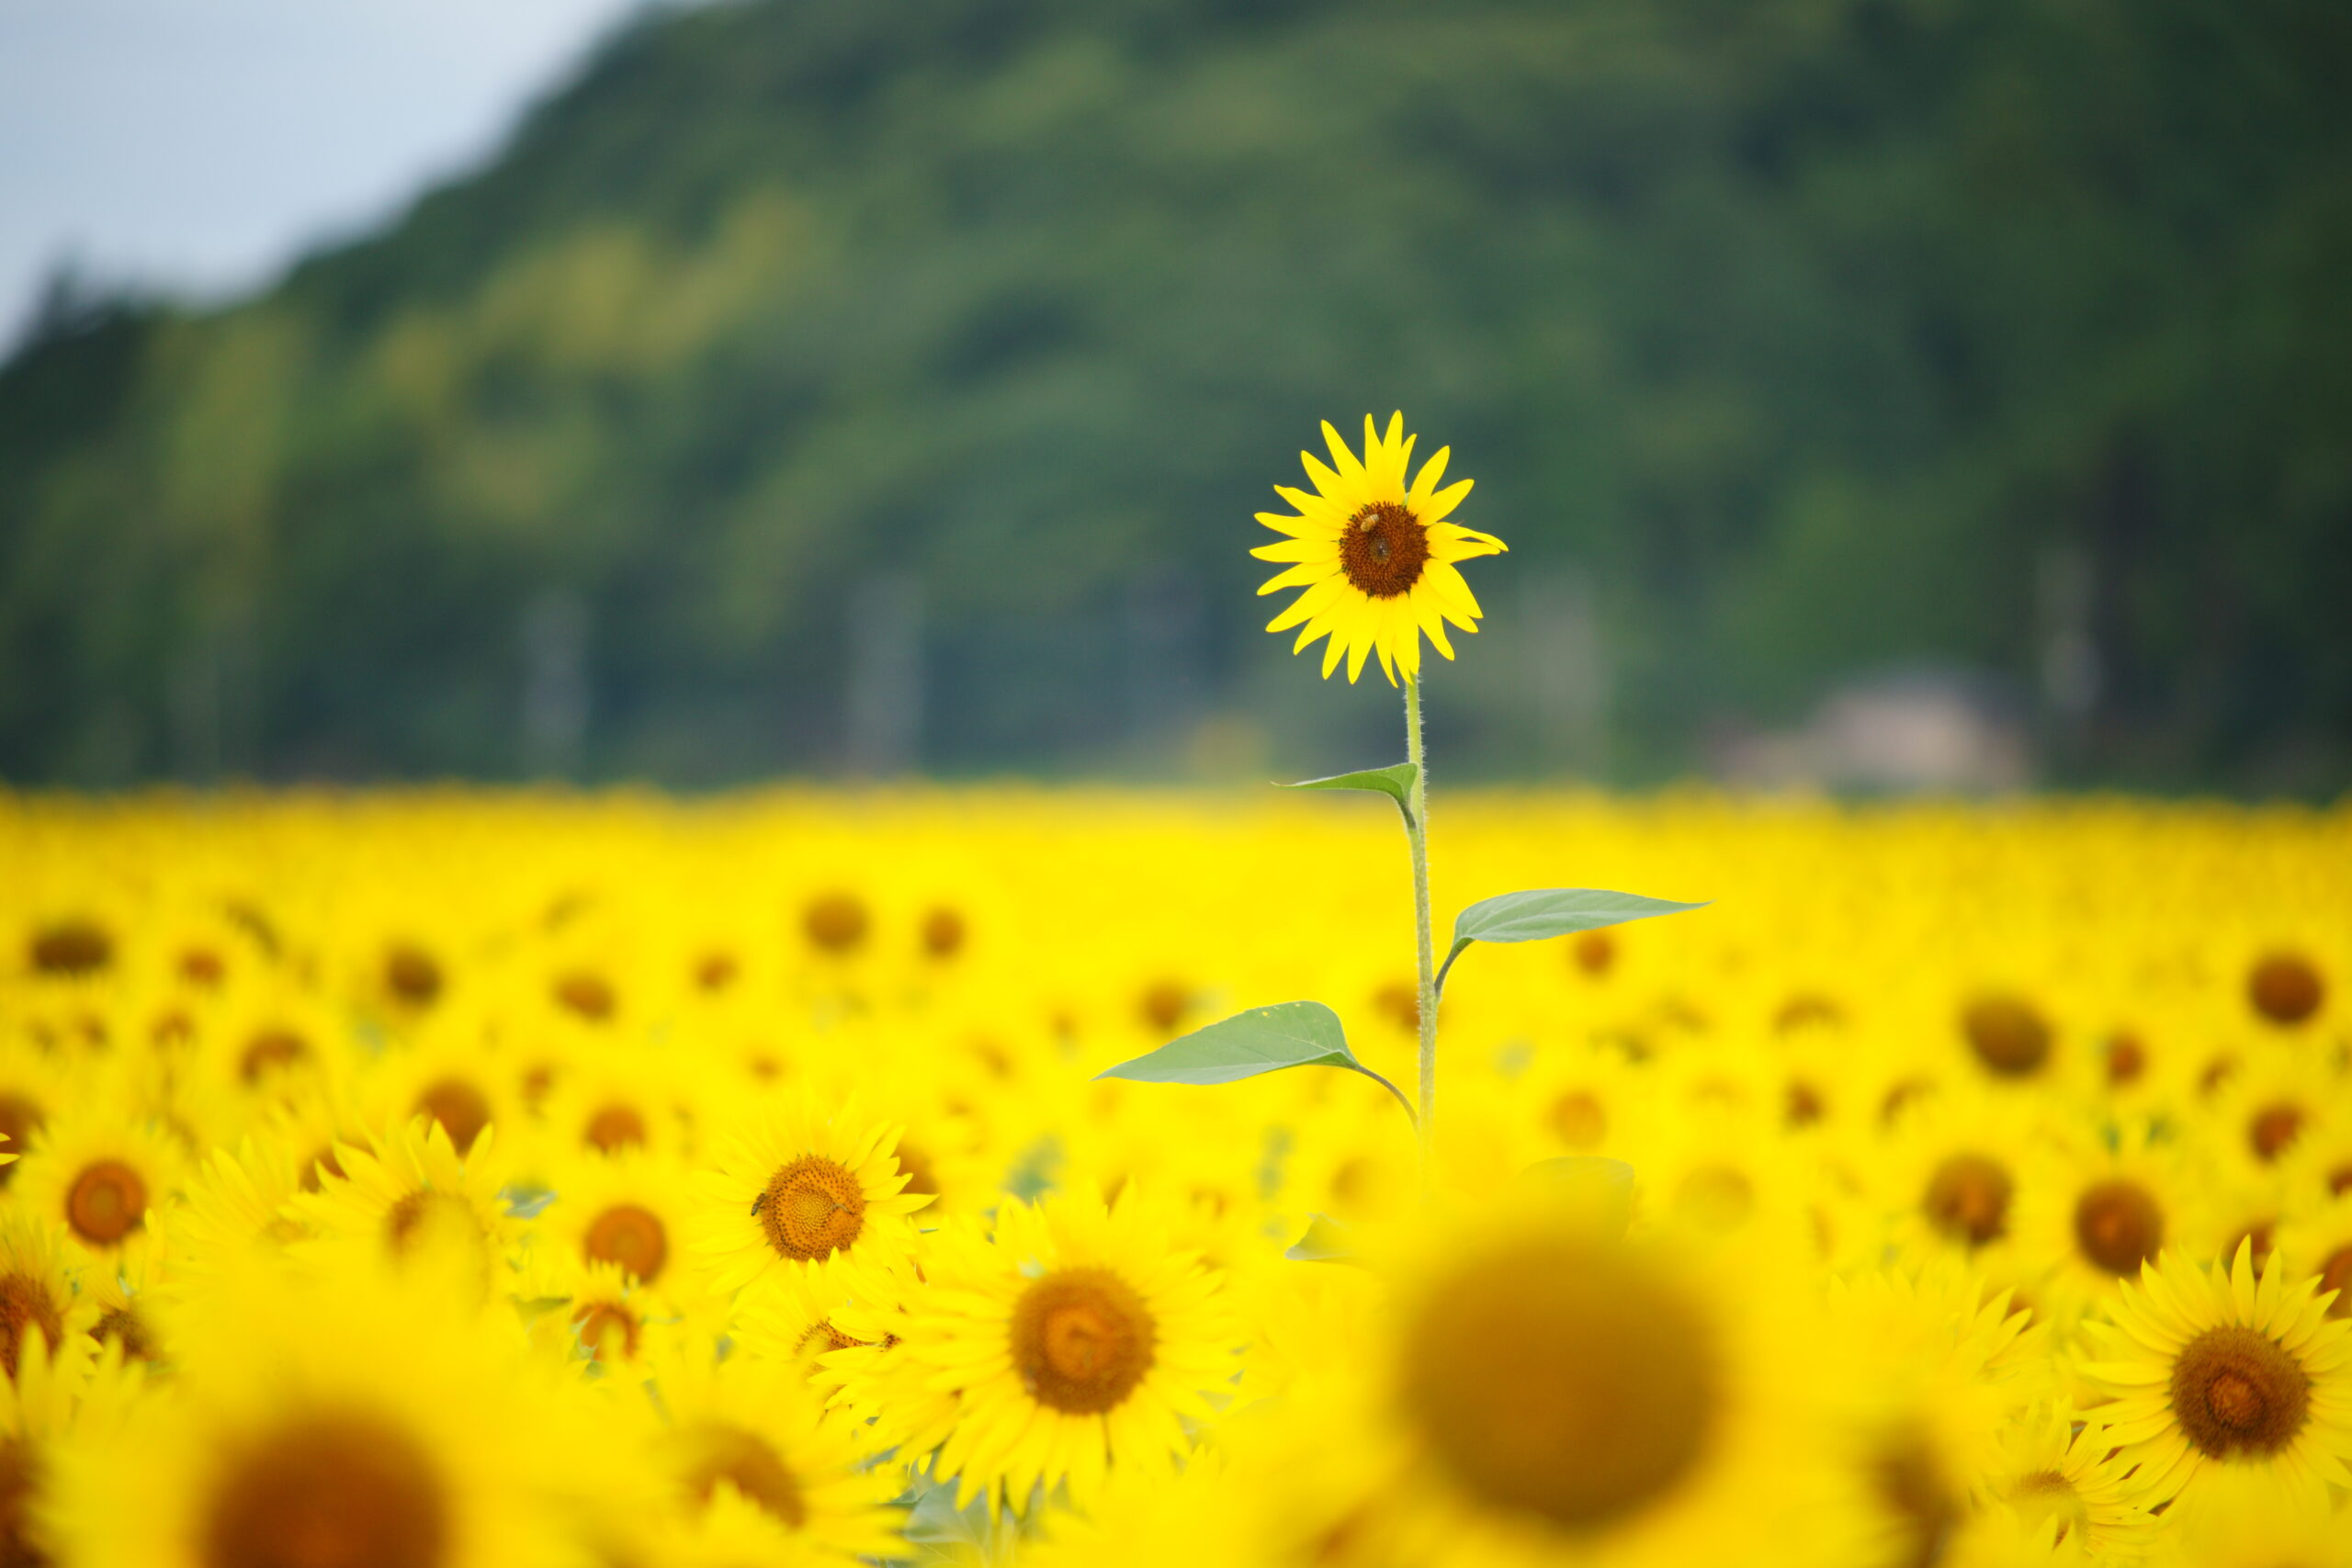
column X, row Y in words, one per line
column 356, row 1420
column 1072, row 1339
column 759, row 1474
column 796, row 1188
column 1375, row 555
column 100, row 1173
column 2215, row 1367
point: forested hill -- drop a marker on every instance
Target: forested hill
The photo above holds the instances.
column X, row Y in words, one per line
column 1805, row 335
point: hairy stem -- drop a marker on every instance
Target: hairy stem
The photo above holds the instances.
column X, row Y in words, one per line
column 1416, row 832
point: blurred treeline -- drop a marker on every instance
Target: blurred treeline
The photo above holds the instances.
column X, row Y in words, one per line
column 1786, row 339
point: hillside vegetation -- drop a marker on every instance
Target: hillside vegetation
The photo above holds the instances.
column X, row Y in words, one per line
column 1804, row 334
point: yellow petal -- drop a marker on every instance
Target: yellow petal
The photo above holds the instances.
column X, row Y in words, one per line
column 1442, row 503
column 1341, row 458
column 1425, row 482
column 1299, row 576
column 1297, row 549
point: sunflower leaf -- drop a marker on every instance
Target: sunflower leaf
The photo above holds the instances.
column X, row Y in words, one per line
column 1549, row 912
column 1326, row 1241
column 1264, row 1039
column 1396, row 781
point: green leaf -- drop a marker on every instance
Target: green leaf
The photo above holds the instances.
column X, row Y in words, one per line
column 1395, row 781
column 1604, row 1186
column 1264, row 1039
column 1326, row 1241
column 1549, row 912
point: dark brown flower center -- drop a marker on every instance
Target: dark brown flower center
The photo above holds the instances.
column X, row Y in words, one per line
column 1912, row 1485
column 124, row 1326
column 411, row 975
column 71, row 947
column 1083, row 1339
column 424, row 1215
column 835, row 923
column 2007, row 1034
column 2285, row 988
column 2118, row 1226
column 617, row 1127
column 1562, row 1379
column 2237, row 1393
column 811, row 1209
column 25, row 1301
column 1579, row 1120
column 1164, row 1003
column 106, row 1202
column 923, row 1176
column 748, row 1463
column 2046, row 1495
column 1383, row 550
column 2126, row 1059
column 942, row 933
column 820, row 1337
column 337, row 1491
column 602, row 1324
column 2336, row 1274
column 586, row 994
column 462, row 1109
column 270, row 1049
column 632, row 1237
column 20, row 1119
column 1968, row 1198
column 2272, row 1129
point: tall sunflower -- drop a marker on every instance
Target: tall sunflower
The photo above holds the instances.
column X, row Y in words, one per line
column 1375, row 554
column 2212, row 1366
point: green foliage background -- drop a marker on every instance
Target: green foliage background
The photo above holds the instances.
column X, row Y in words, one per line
column 1801, row 328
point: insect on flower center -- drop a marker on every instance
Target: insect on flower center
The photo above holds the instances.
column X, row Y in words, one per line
column 2118, row 1226
column 334, row 1491
column 631, row 1236
column 749, row 1464
column 811, row 1209
column 2237, row 1393
column 1383, row 550
column 1083, row 1339
column 106, row 1202
column 1564, row 1378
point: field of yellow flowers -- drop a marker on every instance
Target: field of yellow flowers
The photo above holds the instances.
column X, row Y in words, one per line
column 479, row 1180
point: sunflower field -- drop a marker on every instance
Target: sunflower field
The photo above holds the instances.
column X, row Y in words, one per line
column 418, row 1180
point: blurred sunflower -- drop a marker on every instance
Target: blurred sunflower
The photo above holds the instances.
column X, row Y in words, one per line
column 356, row 1421
column 1376, row 554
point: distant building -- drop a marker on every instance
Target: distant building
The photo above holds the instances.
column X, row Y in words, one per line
column 1915, row 729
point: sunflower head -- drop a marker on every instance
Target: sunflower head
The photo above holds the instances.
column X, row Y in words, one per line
column 1375, row 554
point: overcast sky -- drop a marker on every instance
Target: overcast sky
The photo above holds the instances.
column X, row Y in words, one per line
column 199, row 145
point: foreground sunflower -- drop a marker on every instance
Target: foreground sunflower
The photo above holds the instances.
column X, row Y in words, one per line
column 1072, row 1339
column 1375, row 554
column 356, row 1421
column 2214, row 1367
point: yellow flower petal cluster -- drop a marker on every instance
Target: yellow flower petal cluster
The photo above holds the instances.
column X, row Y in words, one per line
column 415, row 1180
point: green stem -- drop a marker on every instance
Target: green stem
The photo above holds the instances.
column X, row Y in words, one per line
column 1416, row 832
